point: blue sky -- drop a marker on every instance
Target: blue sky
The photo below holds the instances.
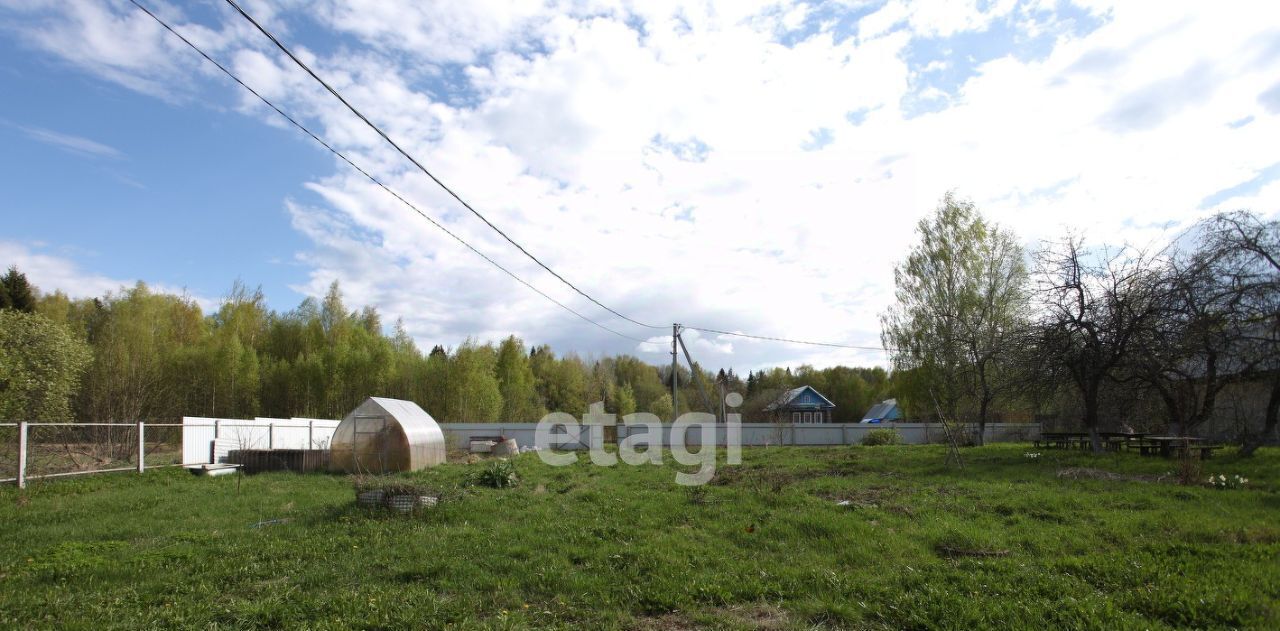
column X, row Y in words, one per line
column 682, row 162
column 181, row 194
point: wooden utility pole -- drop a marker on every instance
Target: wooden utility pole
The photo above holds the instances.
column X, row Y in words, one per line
column 693, row 375
column 675, row 376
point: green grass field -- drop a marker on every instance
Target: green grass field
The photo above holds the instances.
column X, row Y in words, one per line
column 1008, row 543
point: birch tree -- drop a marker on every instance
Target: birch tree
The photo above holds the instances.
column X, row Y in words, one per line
column 961, row 305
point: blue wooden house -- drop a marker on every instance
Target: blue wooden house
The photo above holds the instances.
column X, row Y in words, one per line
column 801, row 405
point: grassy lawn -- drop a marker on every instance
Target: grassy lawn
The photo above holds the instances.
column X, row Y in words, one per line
column 1008, row 543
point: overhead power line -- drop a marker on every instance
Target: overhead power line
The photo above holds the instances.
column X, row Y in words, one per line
column 783, row 339
column 373, row 179
column 433, row 222
column 416, row 163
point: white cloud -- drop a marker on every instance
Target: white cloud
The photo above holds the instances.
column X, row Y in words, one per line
column 51, row 272
column 438, row 30
column 663, row 168
column 69, row 142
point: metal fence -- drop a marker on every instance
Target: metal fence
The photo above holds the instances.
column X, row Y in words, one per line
column 36, row 451
column 33, row 451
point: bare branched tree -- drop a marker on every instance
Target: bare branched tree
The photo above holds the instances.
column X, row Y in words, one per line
column 1250, row 247
column 1199, row 342
column 1095, row 308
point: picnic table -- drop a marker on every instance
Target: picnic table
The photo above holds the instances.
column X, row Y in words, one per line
column 1080, row 440
column 1169, row 446
column 1115, row 441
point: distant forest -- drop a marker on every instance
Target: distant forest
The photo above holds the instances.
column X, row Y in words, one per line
column 138, row 354
column 1183, row 338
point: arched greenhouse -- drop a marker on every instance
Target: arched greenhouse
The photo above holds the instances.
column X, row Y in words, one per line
column 384, row 436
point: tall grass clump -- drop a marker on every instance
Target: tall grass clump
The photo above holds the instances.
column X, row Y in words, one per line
column 497, row 474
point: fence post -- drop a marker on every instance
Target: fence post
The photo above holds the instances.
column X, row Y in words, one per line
column 215, row 427
column 271, row 435
column 22, row 455
column 311, row 430
column 142, row 449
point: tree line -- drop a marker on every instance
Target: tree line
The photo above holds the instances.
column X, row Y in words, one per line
column 138, row 354
column 1094, row 335
column 1183, row 338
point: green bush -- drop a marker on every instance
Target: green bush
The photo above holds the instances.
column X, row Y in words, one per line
column 882, row 437
column 497, row 474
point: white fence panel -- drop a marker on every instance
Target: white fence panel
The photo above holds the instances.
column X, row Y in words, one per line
column 297, row 433
column 459, row 435
column 198, row 434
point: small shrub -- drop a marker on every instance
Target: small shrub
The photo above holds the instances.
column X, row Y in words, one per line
column 497, row 474
column 1188, row 468
column 882, row 437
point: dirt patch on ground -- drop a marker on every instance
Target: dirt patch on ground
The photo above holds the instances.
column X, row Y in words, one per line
column 756, row 616
column 1086, row 473
column 765, row 617
column 760, row 478
column 774, row 479
column 664, row 622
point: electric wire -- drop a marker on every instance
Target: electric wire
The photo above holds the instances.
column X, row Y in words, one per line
column 783, row 339
column 374, row 179
column 301, row 64
column 416, row 163
column 453, row 194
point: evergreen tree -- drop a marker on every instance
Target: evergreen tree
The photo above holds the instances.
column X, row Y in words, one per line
column 17, row 293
